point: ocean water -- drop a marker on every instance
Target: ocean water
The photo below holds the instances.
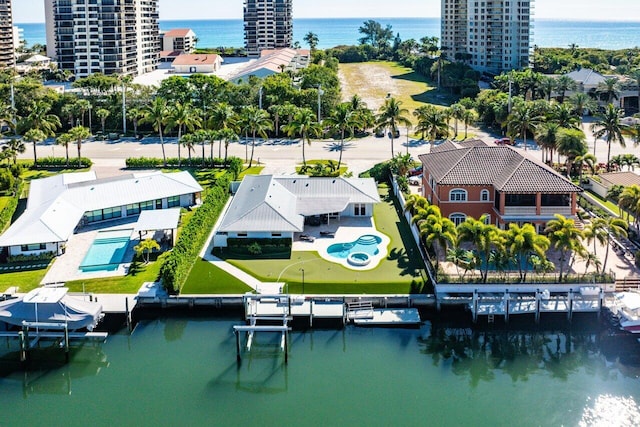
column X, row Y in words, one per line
column 183, row 371
column 333, row 32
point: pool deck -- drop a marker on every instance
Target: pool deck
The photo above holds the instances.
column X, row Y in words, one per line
column 67, row 266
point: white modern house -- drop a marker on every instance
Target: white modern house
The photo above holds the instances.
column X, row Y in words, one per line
column 59, row 204
column 267, row 206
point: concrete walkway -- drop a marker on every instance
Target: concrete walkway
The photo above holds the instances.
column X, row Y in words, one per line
column 269, row 288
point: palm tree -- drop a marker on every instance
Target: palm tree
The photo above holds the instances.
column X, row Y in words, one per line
column 277, row 111
column 629, row 200
column 12, row 148
column 437, row 231
column 222, row 118
column 523, row 119
column 564, row 115
column 65, row 139
column 483, row 236
column 34, row 135
column 608, row 126
column 581, row 102
column 468, row 118
column 342, row 118
column 415, row 202
column 304, row 124
column 457, row 113
column 184, row 118
column 258, row 123
column 571, row 143
column 79, row 134
column 227, row 135
column 188, row 141
column 610, row 88
column 564, row 237
column 588, row 159
column 102, row 114
column 547, row 136
column 83, row 106
column 312, row 40
column 134, row 114
column 39, row 117
column 157, row 114
column 431, row 121
column 392, row 116
column 565, row 83
column 596, row 232
column 523, row 241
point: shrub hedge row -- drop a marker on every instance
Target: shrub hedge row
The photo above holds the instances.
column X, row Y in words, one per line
column 172, row 162
column 10, row 208
column 178, row 264
column 61, row 163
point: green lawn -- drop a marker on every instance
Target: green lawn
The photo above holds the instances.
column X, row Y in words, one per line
column 124, row 284
column 206, row 278
column 24, row 280
column 3, row 202
column 398, row 273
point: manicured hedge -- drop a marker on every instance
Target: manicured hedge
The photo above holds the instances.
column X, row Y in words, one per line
column 178, row 264
column 172, row 162
column 61, row 163
column 7, row 213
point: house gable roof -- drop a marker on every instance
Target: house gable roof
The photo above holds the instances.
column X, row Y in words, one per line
column 268, row 203
column 502, row 167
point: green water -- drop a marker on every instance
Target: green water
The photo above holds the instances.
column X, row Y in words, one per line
column 174, row 372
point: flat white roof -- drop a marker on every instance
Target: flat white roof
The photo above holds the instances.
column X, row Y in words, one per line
column 56, row 204
column 164, row 219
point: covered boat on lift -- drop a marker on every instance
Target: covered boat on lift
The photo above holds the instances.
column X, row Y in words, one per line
column 51, row 306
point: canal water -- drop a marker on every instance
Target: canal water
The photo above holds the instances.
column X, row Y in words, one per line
column 183, row 371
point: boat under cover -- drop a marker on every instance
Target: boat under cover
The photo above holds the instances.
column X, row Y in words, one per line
column 628, row 311
column 51, row 305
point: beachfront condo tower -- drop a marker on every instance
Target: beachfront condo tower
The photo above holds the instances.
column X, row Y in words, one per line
column 491, row 36
column 103, row 36
column 7, row 51
column 268, row 24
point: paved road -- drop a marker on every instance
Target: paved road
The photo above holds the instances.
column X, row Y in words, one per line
column 281, row 156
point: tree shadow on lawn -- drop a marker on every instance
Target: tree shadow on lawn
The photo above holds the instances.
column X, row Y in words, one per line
column 407, row 257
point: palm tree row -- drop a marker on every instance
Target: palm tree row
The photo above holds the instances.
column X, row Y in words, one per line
column 517, row 246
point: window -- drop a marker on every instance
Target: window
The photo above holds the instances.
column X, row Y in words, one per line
column 487, row 219
column 33, row 247
column 159, row 204
column 133, row 209
column 360, row 209
column 484, row 195
column 276, row 234
column 146, row 206
column 458, row 195
column 242, row 234
column 173, row 201
column 458, row 218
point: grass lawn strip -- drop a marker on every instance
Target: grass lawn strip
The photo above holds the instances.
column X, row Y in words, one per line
column 206, row 278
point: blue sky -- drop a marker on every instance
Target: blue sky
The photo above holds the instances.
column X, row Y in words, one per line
column 33, row 10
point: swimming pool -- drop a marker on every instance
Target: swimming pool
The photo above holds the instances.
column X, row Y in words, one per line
column 358, row 253
column 107, row 251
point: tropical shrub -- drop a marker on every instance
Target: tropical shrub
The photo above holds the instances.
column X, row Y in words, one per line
column 7, row 213
column 61, row 163
column 7, row 181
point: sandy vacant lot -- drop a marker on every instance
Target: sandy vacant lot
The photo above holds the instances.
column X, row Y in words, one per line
column 373, row 81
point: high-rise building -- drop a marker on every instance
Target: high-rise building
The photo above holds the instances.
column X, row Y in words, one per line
column 7, row 50
column 106, row 36
column 492, row 36
column 268, row 24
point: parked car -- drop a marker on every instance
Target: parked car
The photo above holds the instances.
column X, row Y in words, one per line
column 415, row 180
column 504, row 141
column 415, row 171
column 396, row 134
column 379, row 133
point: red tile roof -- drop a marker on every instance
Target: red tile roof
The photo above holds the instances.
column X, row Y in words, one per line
column 178, row 32
column 194, row 59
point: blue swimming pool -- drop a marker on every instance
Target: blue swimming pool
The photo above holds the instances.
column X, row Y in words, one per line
column 107, row 251
column 366, row 244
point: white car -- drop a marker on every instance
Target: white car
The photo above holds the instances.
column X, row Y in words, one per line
column 415, row 180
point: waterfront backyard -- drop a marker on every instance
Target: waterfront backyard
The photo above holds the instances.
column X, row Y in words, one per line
column 400, row 272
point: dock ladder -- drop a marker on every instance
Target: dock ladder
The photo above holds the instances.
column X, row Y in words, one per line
column 359, row 310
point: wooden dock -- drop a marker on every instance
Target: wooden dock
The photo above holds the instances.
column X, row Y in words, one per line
column 508, row 300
